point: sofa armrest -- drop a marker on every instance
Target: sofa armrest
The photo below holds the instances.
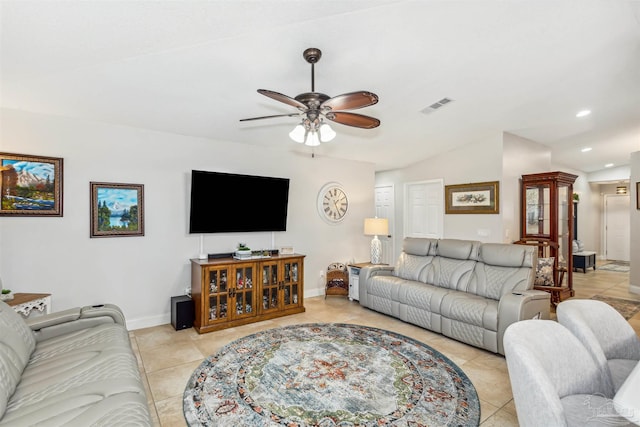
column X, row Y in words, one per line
column 74, row 319
column 366, row 273
column 521, row 305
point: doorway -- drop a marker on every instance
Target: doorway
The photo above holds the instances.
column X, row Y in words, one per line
column 385, row 208
column 617, row 227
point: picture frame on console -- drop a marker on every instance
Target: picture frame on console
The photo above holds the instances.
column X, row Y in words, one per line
column 30, row 185
column 117, row 210
column 474, row 198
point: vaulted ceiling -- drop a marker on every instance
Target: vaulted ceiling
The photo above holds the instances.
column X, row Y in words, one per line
column 193, row 67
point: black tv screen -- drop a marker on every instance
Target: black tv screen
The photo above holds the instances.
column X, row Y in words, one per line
column 226, row 203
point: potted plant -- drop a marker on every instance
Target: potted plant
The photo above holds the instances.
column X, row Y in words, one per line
column 243, row 251
column 6, row 295
column 576, row 197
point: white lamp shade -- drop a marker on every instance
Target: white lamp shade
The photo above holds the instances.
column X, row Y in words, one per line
column 312, row 139
column 326, row 133
column 297, row 134
column 376, row 226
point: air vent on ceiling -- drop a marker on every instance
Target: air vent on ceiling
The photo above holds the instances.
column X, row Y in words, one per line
column 436, row 105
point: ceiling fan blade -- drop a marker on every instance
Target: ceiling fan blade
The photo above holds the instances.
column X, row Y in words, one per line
column 270, row 117
column 353, row 119
column 283, row 98
column 351, row 101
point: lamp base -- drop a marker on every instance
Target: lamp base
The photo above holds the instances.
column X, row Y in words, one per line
column 376, row 250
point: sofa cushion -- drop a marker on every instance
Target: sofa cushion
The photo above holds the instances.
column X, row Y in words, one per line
column 17, row 343
column 593, row 410
column 458, row 249
column 419, row 246
column 502, row 255
column 471, row 309
column 450, row 273
column 412, row 267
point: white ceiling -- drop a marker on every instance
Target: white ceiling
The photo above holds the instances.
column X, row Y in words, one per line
column 193, row 67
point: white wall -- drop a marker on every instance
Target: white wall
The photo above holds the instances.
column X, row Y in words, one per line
column 140, row 274
column 520, row 156
column 634, row 275
column 476, row 162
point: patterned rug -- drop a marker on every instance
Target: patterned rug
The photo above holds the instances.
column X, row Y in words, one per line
column 619, row 266
column 628, row 308
column 329, row 375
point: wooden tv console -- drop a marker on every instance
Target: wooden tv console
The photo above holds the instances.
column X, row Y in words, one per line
column 228, row 292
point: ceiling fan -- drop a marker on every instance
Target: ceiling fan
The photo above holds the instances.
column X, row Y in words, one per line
column 314, row 107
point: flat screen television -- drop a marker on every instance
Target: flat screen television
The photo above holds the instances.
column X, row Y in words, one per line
column 227, row 203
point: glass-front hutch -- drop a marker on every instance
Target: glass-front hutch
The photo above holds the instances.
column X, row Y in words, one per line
column 227, row 292
column 547, row 221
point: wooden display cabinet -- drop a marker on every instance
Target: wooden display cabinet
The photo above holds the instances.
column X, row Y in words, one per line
column 229, row 292
column 546, row 221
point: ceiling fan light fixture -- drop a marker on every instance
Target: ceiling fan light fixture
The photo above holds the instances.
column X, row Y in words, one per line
column 326, row 133
column 312, row 139
column 298, row 134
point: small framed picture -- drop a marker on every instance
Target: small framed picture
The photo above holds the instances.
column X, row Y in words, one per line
column 30, row 185
column 476, row 198
column 286, row 250
column 637, row 195
column 117, row 210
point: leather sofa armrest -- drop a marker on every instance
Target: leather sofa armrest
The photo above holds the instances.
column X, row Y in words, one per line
column 521, row 305
column 74, row 319
column 52, row 319
column 366, row 273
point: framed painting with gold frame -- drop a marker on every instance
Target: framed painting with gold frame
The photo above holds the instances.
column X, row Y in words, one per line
column 117, row 209
column 476, row 198
column 30, row 185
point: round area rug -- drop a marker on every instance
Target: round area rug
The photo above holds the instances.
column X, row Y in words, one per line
column 329, row 375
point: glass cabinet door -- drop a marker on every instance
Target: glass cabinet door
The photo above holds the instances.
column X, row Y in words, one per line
column 243, row 292
column 270, row 286
column 564, row 237
column 217, row 279
column 292, row 271
column 538, row 210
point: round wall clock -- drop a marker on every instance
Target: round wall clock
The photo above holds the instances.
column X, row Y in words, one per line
column 333, row 203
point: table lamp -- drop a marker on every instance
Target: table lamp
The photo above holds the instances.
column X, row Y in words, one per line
column 374, row 227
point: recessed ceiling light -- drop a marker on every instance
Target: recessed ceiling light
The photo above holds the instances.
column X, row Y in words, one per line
column 608, row 165
column 585, row 149
column 583, row 113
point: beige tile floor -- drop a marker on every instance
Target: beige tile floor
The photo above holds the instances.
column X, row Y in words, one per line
column 167, row 357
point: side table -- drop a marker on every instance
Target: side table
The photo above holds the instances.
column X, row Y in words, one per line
column 354, row 279
column 23, row 303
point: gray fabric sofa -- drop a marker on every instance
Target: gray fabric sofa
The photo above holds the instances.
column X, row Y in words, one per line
column 466, row 290
column 71, row 368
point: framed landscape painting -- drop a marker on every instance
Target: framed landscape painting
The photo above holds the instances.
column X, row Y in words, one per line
column 477, row 198
column 117, row 209
column 30, row 185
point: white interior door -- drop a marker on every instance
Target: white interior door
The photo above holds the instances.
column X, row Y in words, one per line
column 385, row 208
column 424, row 209
column 617, row 227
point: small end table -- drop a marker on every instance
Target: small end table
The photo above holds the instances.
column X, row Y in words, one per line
column 354, row 279
column 23, row 303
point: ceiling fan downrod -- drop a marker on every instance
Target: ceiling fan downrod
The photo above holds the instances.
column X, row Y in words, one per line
column 312, row 55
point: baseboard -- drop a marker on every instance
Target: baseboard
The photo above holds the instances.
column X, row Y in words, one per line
column 147, row 322
column 164, row 319
column 634, row 289
column 310, row 293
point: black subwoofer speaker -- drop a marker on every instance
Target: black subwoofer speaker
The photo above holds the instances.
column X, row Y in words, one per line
column 182, row 312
